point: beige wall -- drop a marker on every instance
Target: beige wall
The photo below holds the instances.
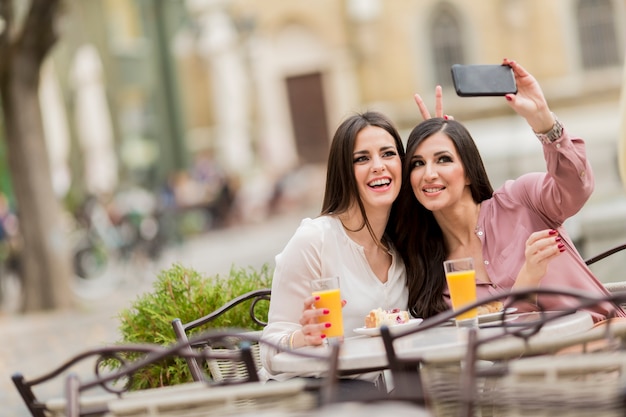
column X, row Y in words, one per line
column 391, row 53
column 378, row 61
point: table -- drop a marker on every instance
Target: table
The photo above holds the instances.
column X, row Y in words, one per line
column 363, row 353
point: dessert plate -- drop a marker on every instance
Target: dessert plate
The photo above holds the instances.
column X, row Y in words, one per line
column 485, row 318
column 375, row 331
column 489, row 317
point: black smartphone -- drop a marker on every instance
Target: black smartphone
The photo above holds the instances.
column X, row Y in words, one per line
column 483, row 80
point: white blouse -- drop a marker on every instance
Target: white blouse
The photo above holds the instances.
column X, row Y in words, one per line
column 320, row 247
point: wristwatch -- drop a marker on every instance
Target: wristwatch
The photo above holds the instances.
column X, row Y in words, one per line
column 553, row 134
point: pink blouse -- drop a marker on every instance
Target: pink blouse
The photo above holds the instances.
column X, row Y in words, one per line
column 534, row 202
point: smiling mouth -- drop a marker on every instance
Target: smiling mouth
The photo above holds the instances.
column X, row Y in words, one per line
column 379, row 183
column 433, row 190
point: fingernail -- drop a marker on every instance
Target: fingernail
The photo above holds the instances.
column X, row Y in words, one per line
column 557, row 239
column 445, row 117
column 317, row 298
column 553, row 232
column 508, row 98
column 327, row 325
column 326, row 311
column 561, row 246
column 323, row 336
column 562, row 250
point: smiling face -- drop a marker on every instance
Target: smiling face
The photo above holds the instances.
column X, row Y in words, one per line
column 377, row 167
column 437, row 175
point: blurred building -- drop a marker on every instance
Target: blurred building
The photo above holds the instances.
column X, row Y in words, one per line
column 262, row 84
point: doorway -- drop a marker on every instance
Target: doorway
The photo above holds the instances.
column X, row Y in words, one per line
column 308, row 116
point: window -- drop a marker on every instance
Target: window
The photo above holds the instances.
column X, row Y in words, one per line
column 596, row 31
column 447, row 44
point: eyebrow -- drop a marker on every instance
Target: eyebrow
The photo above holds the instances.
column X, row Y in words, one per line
column 436, row 154
column 384, row 148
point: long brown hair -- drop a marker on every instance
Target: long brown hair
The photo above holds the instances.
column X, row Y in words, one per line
column 341, row 187
column 417, row 234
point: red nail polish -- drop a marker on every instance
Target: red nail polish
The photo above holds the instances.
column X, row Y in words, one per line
column 327, row 325
column 323, row 336
column 557, row 239
column 445, row 117
column 508, row 98
column 561, row 246
column 326, row 311
column 562, row 250
column 317, row 298
column 553, row 232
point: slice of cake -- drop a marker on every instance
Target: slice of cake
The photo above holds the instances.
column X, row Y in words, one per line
column 492, row 307
column 378, row 317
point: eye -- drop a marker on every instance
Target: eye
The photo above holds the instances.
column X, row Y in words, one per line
column 389, row 154
column 417, row 163
column 360, row 159
column 444, row 158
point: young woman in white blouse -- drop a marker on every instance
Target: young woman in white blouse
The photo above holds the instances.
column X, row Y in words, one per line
column 347, row 240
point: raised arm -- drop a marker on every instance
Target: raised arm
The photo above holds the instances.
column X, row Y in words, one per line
column 569, row 182
column 529, row 102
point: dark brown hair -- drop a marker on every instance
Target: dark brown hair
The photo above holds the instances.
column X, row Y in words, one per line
column 417, row 234
column 341, row 188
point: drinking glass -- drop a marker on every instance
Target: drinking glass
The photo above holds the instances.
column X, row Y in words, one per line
column 461, row 278
column 327, row 289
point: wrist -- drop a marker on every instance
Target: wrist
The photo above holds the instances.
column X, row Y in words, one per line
column 553, row 133
column 542, row 121
column 287, row 342
column 296, row 339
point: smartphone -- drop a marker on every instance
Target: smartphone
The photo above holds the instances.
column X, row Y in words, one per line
column 483, row 80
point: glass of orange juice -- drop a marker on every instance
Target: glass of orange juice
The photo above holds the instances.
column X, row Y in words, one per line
column 461, row 278
column 327, row 289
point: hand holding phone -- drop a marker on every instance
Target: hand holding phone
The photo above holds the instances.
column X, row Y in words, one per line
column 483, row 80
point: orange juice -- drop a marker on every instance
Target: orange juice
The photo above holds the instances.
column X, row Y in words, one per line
column 462, row 286
column 331, row 300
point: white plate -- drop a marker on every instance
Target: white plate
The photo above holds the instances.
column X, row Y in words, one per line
column 375, row 331
column 484, row 318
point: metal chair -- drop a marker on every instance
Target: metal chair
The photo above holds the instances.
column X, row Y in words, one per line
column 224, row 370
column 605, row 254
column 616, row 286
column 205, row 398
column 434, row 379
column 495, row 377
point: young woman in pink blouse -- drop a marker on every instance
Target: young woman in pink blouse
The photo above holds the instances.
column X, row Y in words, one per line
column 515, row 234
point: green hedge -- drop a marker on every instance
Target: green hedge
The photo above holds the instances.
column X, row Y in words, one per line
column 184, row 293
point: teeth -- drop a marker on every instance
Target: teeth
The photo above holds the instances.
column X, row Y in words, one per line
column 432, row 190
column 380, row 182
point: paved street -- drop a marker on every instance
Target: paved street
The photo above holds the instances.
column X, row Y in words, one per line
column 34, row 343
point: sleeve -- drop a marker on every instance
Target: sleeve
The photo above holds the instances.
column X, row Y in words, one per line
column 296, row 266
column 566, row 186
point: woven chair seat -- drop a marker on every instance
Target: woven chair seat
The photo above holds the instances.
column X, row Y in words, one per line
column 573, row 385
column 288, row 396
column 232, row 371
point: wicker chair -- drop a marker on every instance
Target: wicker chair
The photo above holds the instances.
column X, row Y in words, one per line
column 206, row 398
column 224, row 370
column 535, row 377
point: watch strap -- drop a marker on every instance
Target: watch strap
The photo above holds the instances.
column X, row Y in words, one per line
column 553, row 134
